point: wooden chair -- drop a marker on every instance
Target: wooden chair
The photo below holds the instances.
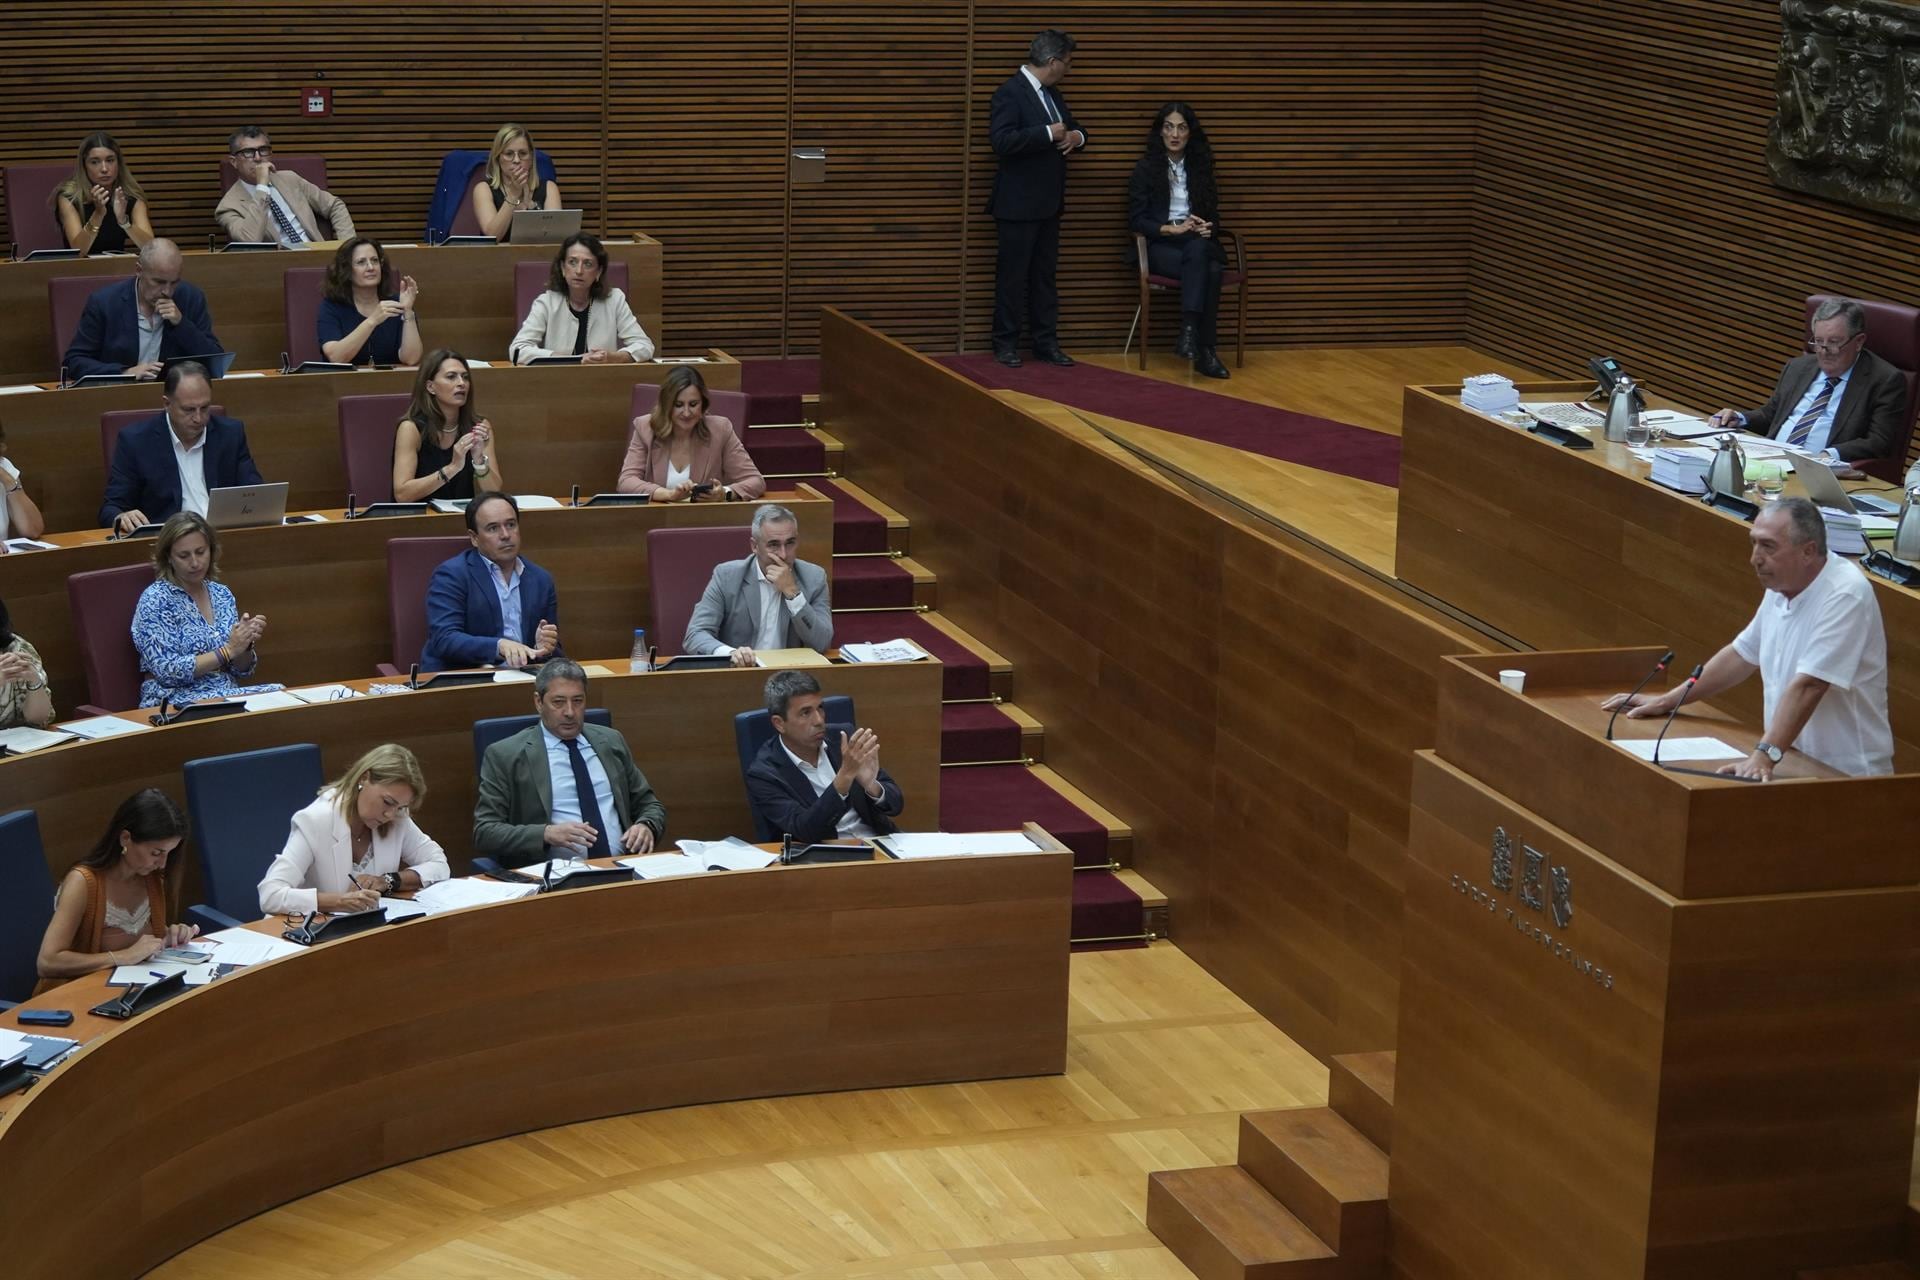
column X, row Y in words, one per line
column 1234, row 279
column 1893, row 334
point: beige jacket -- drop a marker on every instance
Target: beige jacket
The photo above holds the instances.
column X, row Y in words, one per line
column 243, row 214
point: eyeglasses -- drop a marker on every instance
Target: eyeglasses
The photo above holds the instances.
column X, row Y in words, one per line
column 1171, row 127
column 1833, row 348
column 254, row 153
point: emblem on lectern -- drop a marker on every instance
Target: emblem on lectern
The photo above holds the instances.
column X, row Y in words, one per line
column 1502, row 870
column 1531, row 893
column 1562, row 897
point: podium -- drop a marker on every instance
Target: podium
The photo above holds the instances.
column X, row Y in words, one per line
column 1652, row 1024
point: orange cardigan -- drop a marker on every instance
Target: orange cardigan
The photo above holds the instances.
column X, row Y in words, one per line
column 721, row 460
column 93, row 921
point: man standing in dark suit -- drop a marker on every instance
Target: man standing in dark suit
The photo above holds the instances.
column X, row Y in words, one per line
column 133, row 326
column 1839, row 398
column 487, row 605
column 1032, row 132
column 171, row 461
column 815, row 781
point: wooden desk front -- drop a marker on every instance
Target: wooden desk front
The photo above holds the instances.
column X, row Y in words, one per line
column 323, row 587
column 557, row 426
column 466, row 298
column 1577, row 549
column 519, row 1016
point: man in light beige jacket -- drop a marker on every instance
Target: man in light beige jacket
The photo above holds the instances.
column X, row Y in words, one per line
column 266, row 203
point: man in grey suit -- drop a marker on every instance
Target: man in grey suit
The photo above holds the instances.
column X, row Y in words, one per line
column 563, row 784
column 770, row 600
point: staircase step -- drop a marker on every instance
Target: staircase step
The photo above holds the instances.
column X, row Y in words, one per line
column 1325, row 1173
column 775, row 379
column 1154, row 914
column 1865, row 1271
column 1119, row 834
column 973, row 731
column 1224, row 1226
column 786, row 451
column 999, row 668
column 1005, row 797
column 860, row 522
column 967, row 674
column 1106, row 913
column 879, row 584
column 1360, row 1090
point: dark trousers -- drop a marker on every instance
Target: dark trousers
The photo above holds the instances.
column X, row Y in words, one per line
column 1197, row 262
column 1028, row 254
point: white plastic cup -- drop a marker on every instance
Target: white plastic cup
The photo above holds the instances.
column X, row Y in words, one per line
column 1514, row 680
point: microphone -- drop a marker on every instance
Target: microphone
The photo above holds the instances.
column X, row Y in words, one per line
column 413, row 676
column 1658, row 667
column 575, row 501
column 1686, row 688
column 351, row 513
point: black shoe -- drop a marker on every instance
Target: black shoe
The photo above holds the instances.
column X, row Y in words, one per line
column 1207, row 364
column 1007, row 356
column 1054, row 355
column 1189, row 341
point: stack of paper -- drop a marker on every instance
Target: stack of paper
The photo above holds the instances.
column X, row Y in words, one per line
column 943, row 844
column 902, row 650
column 96, row 727
column 731, row 854
column 1489, row 393
column 1682, row 469
column 663, row 866
column 27, row 738
column 452, row 895
column 1843, row 532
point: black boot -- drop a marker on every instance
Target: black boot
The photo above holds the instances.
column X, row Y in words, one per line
column 1189, row 336
column 1207, row 364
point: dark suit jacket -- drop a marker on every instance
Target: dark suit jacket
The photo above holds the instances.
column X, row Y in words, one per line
column 516, row 794
column 783, row 799
column 108, row 339
column 1871, row 421
column 1031, row 183
column 145, row 477
column 1147, row 213
column 463, row 611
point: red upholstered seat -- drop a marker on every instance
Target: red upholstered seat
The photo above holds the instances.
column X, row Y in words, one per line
column 301, row 290
column 31, row 221
column 531, row 277
column 102, row 601
column 1232, row 280
column 679, row 564
column 114, row 421
column 312, row 168
column 366, row 444
column 731, row 405
column 410, row 566
column 66, row 299
column 1893, row 334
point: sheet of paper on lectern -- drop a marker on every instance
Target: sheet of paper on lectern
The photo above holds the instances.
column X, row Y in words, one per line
column 956, row 844
column 1680, row 750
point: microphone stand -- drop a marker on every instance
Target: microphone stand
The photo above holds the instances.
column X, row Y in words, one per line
column 1686, row 689
column 1626, row 702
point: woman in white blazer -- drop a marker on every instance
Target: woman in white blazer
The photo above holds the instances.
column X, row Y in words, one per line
column 579, row 315
column 356, row 841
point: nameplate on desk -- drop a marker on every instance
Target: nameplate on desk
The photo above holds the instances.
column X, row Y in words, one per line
column 381, row 510
column 50, row 255
column 1559, row 434
column 103, row 380
column 250, row 246
column 556, row 360
column 1732, row 505
column 453, row 679
column 319, row 366
column 317, row 928
column 211, row 709
column 465, row 241
column 617, row 500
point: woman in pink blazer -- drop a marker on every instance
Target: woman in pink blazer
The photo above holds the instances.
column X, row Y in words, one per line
column 679, row 453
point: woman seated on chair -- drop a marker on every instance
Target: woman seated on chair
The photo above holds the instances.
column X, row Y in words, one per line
column 678, row 452
column 101, row 207
column 111, row 909
column 19, row 515
column 24, row 699
column 1173, row 201
column 513, row 184
column 357, row 841
column 193, row 640
column 366, row 316
column 442, row 448
column 579, row 315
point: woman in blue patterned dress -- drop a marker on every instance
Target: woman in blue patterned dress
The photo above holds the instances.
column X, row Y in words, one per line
column 193, row 640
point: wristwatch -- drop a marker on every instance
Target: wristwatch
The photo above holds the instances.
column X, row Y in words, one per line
column 1770, row 751
column 393, row 883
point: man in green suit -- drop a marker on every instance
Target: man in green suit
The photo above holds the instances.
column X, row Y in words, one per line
column 563, row 786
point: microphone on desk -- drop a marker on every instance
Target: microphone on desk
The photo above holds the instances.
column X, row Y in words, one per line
column 1626, row 702
column 574, row 501
column 1686, row 688
column 413, row 676
column 351, row 513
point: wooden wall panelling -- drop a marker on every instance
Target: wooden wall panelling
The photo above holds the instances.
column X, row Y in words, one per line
column 410, row 83
column 884, row 90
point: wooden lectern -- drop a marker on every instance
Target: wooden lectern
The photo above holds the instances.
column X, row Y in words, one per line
column 1652, row 1024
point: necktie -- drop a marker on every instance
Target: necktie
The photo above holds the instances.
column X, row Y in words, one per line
column 589, row 803
column 1804, row 428
column 1053, row 117
column 290, row 232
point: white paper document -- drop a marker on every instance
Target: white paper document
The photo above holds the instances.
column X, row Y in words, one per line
column 12, row 1042
column 537, row 502
column 954, row 844
column 513, row 675
column 324, row 693
column 247, row 946
column 27, row 738
column 663, row 866
column 29, row 544
column 97, row 727
column 732, row 854
column 902, row 650
column 139, row 975
column 274, row 701
column 19, row 389
column 561, row 868
column 401, row 909
column 451, row 895
column 1681, row 750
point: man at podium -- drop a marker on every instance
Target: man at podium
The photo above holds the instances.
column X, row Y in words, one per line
column 1819, row 647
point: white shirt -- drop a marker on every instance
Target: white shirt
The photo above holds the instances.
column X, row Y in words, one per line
column 677, row 476
column 9, row 477
column 1046, row 103
column 772, row 633
column 267, row 191
column 1177, row 205
column 193, row 471
column 821, row 776
column 566, row 796
column 1830, row 631
column 507, row 587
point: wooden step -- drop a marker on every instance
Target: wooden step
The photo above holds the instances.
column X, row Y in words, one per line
column 1323, row 1171
column 1153, row 903
column 1360, row 1088
column 1033, row 735
column 999, row 668
column 1224, row 1226
column 898, row 530
column 1865, row 1271
column 1119, row 834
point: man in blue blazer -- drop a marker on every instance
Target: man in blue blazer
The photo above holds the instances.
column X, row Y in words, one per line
column 171, row 461
column 1032, row 132
column 487, row 605
column 815, row 781
column 134, row 326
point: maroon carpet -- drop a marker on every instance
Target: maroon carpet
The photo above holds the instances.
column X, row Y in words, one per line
column 856, row 526
column 1239, row 424
column 974, row 731
column 965, row 675
column 1003, row 797
column 871, row 583
column 785, row 451
column 1105, row 908
column 774, row 388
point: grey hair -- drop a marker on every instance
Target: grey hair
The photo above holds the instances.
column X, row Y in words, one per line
column 784, row 686
column 1804, row 522
column 558, row 669
column 1855, row 313
column 1048, row 45
column 154, row 250
column 771, row 513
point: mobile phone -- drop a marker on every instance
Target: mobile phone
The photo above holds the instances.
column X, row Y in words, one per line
column 46, row 1017
column 705, row 486
column 183, row 955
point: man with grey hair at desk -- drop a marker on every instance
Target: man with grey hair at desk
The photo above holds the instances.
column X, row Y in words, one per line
column 772, row 599
column 1819, row 647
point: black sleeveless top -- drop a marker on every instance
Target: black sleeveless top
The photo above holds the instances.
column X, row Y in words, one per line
column 112, row 237
column 500, row 200
column 431, row 458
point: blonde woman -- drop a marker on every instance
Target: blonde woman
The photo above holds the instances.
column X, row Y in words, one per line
column 678, row 452
column 513, row 183
column 102, row 208
column 193, row 641
column 357, row 840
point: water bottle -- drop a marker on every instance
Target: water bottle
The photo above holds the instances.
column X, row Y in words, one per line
column 638, row 661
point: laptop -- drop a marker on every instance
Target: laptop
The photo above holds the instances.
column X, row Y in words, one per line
column 544, row 226
column 1821, row 485
column 247, row 506
column 217, row 362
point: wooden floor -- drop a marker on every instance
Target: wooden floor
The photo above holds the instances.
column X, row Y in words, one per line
column 1032, row 1179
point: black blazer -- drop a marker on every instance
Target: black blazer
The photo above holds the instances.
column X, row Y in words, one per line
column 783, row 799
column 107, row 339
column 1031, row 182
column 1871, row 421
column 145, row 477
column 1147, row 215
